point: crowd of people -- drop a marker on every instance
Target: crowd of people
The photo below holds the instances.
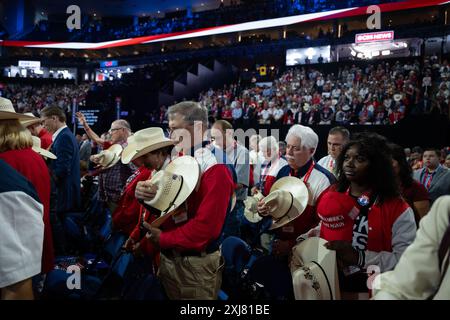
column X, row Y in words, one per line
column 180, row 201
column 379, row 93
column 33, row 98
column 375, row 93
column 97, row 30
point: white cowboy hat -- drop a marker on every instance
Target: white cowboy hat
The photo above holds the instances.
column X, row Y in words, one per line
column 250, row 211
column 7, row 111
column 287, row 200
column 27, row 123
column 314, row 271
column 398, row 97
column 110, row 156
column 175, row 184
column 143, row 142
column 346, row 107
column 37, row 148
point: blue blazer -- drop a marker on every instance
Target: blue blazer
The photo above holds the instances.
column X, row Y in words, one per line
column 66, row 171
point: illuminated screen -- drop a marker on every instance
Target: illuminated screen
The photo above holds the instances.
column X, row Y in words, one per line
column 107, row 64
column 307, row 55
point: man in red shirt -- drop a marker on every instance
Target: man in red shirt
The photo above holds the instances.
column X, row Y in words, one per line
column 191, row 263
column 37, row 129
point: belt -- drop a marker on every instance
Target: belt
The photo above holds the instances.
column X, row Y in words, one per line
column 172, row 253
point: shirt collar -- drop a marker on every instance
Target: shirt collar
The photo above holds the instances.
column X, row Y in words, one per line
column 435, row 170
column 300, row 172
column 57, row 132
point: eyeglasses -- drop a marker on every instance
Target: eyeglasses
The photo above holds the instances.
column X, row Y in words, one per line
column 114, row 129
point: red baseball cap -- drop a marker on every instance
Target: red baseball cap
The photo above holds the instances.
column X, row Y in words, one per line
column 337, row 212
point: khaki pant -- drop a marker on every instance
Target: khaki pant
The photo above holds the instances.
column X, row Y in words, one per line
column 192, row 277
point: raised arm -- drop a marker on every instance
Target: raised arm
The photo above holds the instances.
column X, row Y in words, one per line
column 91, row 134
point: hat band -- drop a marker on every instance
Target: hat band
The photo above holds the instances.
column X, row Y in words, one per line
column 290, row 207
column 326, row 278
column 175, row 198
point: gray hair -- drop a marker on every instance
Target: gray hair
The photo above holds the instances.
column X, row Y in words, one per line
column 255, row 138
column 190, row 111
column 269, row 143
column 309, row 139
column 123, row 124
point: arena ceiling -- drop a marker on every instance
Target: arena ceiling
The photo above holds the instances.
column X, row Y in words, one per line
column 123, row 7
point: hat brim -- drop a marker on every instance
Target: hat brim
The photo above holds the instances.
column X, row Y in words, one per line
column 115, row 160
column 44, row 153
column 189, row 169
column 116, row 149
column 300, row 194
column 6, row 115
column 312, row 283
column 27, row 123
column 313, row 249
column 132, row 152
column 292, row 214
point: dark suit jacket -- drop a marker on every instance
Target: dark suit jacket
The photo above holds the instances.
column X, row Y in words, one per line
column 66, row 171
column 440, row 185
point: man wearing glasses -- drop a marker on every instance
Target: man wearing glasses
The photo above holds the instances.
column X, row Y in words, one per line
column 191, row 263
column 112, row 180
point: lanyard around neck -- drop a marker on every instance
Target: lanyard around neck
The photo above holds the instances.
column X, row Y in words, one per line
column 307, row 174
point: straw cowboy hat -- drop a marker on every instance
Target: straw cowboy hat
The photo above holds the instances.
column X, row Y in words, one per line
column 250, row 211
column 7, row 111
column 175, row 184
column 110, row 156
column 37, row 148
column 314, row 271
column 287, row 200
column 27, row 123
column 398, row 97
column 143, row 142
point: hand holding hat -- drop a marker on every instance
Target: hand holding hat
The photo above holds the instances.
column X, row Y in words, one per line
column 109, row 157
column 96, row 158
column 145, row 190
column 346, row 255
column 174, row 185
column 286, row 201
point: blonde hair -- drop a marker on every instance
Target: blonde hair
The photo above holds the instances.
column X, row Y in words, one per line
column 13, row 136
